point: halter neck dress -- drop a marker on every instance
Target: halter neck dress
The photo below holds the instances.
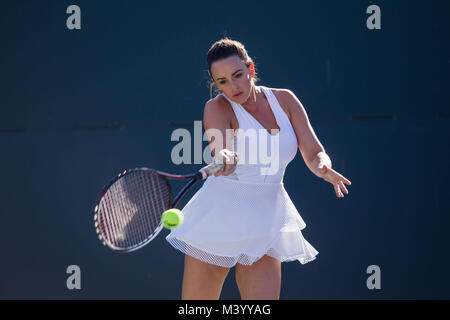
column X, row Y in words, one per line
column 241, row 217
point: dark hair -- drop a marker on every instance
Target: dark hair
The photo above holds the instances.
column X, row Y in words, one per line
column 223, row 49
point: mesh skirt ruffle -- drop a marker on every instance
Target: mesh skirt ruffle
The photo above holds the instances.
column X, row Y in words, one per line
column 301, row 250
column 228, row 222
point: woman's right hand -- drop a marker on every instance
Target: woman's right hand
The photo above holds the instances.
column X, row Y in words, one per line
column 230, row 159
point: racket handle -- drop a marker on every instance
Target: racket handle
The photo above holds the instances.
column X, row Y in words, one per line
column 210, row 169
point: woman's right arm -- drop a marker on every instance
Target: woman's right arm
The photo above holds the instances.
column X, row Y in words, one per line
column 216, row 120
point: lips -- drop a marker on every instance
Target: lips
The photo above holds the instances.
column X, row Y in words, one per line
column 238, row 94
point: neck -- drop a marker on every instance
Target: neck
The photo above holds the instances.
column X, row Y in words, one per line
column 250, row 104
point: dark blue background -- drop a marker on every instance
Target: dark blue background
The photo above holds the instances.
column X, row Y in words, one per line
column 79, row 106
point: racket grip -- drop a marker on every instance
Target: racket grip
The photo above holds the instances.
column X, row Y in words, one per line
column 210, row 169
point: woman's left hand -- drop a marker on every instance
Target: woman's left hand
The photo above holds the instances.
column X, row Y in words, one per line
column 336, row 179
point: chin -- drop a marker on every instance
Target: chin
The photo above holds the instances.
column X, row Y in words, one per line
column 242, row 98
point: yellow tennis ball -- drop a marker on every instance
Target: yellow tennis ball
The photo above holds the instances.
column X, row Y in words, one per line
column 172, row 218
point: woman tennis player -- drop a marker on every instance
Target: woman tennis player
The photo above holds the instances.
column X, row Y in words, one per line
column 242, row 216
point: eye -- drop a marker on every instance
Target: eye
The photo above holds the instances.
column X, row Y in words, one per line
column 237, row 76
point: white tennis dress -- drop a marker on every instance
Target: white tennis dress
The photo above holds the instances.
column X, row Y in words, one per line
column 243, row 216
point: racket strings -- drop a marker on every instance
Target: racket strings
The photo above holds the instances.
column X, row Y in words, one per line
column 128, row 225
column 130, row 211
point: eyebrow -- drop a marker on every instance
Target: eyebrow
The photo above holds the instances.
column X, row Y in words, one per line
column 231, row 74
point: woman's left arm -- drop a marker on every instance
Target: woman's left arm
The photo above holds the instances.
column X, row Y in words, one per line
column 312, row 151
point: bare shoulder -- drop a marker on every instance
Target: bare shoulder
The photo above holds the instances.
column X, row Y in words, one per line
column 217, row 103
column 286, row 98
column 283, row 94
column 217, row 111
column 217, row 106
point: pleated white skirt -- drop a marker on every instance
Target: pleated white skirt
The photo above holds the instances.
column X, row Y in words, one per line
column 229, row 221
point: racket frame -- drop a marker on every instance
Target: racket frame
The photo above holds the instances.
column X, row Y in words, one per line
column 202, row 174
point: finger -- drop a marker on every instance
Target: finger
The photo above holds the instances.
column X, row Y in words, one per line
column 226, row 158
column 341, row 184
column 337, row 174
column 233, row 158
column 226, row 170
column 341, row 177
column 338, row 192
column 229, row 168
column 338, row 178
column 236, row 158
column 219, row 172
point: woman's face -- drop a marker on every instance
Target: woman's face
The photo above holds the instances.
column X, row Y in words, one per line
column 233, row 78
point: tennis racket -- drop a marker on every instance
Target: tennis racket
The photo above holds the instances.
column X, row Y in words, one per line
column 128, row 212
